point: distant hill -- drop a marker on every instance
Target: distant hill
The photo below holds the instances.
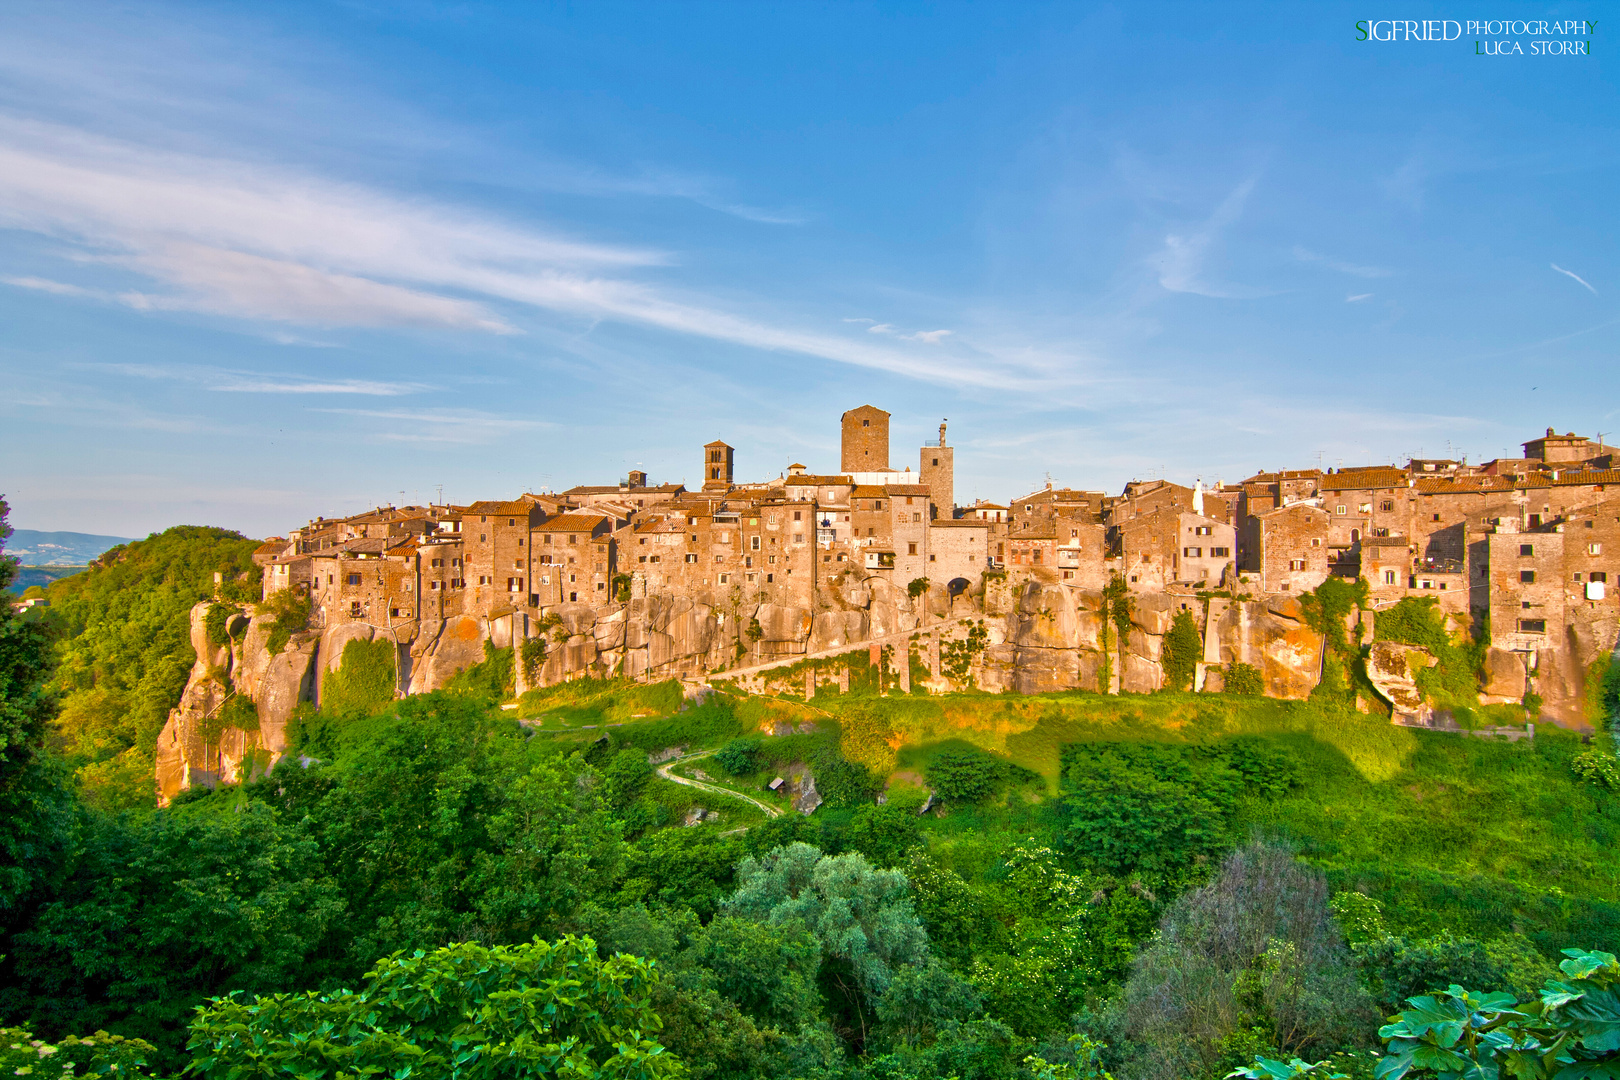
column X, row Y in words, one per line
column 34, row 548
column 41, row 575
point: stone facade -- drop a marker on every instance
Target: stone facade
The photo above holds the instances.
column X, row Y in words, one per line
column 864, row 442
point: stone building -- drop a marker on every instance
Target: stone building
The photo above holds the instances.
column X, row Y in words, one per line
column 497, row 553
column 719, row 462
column 958, row 548
column 864, row 440
column 1292, row 545
column 1173, row 546
column 936, row 465
column 1527, row 595
column 630, row 494
column 572, row 560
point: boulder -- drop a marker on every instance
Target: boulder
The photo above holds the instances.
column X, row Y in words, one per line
column 1152, row 613
column 1391, row 667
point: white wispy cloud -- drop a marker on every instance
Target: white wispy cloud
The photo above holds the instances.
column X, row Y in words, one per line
column 1306, row 255
column 226, row 381
column 46, row 285
column 1577, row 277
column 462, row 426
column 247, row 241
column 1358, row 297
column 1180, row 264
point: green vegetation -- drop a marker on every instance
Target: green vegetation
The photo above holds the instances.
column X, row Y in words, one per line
column 122, row 652
column 291, row 611
column 1146, row 887
column 1183, row 649
column 1454, row 680
column 1241, row 678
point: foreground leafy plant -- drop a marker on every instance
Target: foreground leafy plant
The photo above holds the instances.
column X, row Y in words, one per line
column 466, row 1011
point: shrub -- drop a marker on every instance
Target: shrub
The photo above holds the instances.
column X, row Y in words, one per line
column 1243, row 678
column 215, row 622
column 1454, row 679
column 464, row 1010
column 1597, row 767
column 292, row 613
column 1254, row 949
column 533, row 653
column 739, row 757
column 969, row 775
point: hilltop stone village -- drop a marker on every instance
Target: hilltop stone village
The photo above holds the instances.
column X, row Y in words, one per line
column 781, row 585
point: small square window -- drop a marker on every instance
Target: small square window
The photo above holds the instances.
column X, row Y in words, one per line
column 1527, row 577
column 1526, row 550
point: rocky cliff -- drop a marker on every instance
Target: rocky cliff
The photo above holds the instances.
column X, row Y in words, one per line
column 1022, row 637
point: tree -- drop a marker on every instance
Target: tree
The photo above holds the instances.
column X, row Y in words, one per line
column 36, row 814
column 544, row 1009
column 1255, row 950
column 1183, row 649
column 861, row 916
column 739, row 757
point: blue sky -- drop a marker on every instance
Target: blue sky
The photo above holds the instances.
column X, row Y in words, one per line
column 262, row 262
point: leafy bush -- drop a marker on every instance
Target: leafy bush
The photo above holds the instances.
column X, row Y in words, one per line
column 1396, row 969
column 215, row 621
column 292, row 612
column 1597, row 767
column 537, row 1010
column 1161, row 809
column 969, row 775
column 100, row 1054
column 1241, row 678
column 843, row 783
column 1183, row 649
column 739, row 757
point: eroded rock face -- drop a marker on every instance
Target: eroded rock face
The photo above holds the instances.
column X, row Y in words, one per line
column 1039, row 637
column 441, row 649
column 1391, row 667
column 1504, row 674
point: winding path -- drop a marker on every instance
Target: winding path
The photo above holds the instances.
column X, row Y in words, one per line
column 713, row 789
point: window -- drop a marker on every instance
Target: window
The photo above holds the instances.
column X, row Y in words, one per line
column 877, row 504
column 1594, row 549
column 1037, row 554
column 1535, row 520
column 1338, row 510
column 1220, row 553
column 916, row 517
column 1386, row 506
column 482, row 537
column 796, row 515
column 433, row 586
column 1202, row 530
column 1316, row 541
column 930, row 558
column 1389, row 577
column 691, row 558
column 911, row 549
column 354, row 609
column 753, row 543
column 866, row 423
column 354, row 579
column 798, row 538
column 438, row 562
column 1366, row 508
column 725, row 579
column 1526, row 550
column 1296, row 564
column 769, row 578
column 573, row 596
column 520, row 542
column 1532, row 626
column 534, row 599
column 1193, row 553
column 1598, row 575
column 748, row 560
column 1527, row 577
column 936, row 461
column 573, row 538
column 1380, row 532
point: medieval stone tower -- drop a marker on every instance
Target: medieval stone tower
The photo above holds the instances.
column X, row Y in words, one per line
column 938, row 469
column 865, row 440
column 717, row 464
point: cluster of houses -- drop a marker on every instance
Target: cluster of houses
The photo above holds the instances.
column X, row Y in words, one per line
column 1527, row 541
